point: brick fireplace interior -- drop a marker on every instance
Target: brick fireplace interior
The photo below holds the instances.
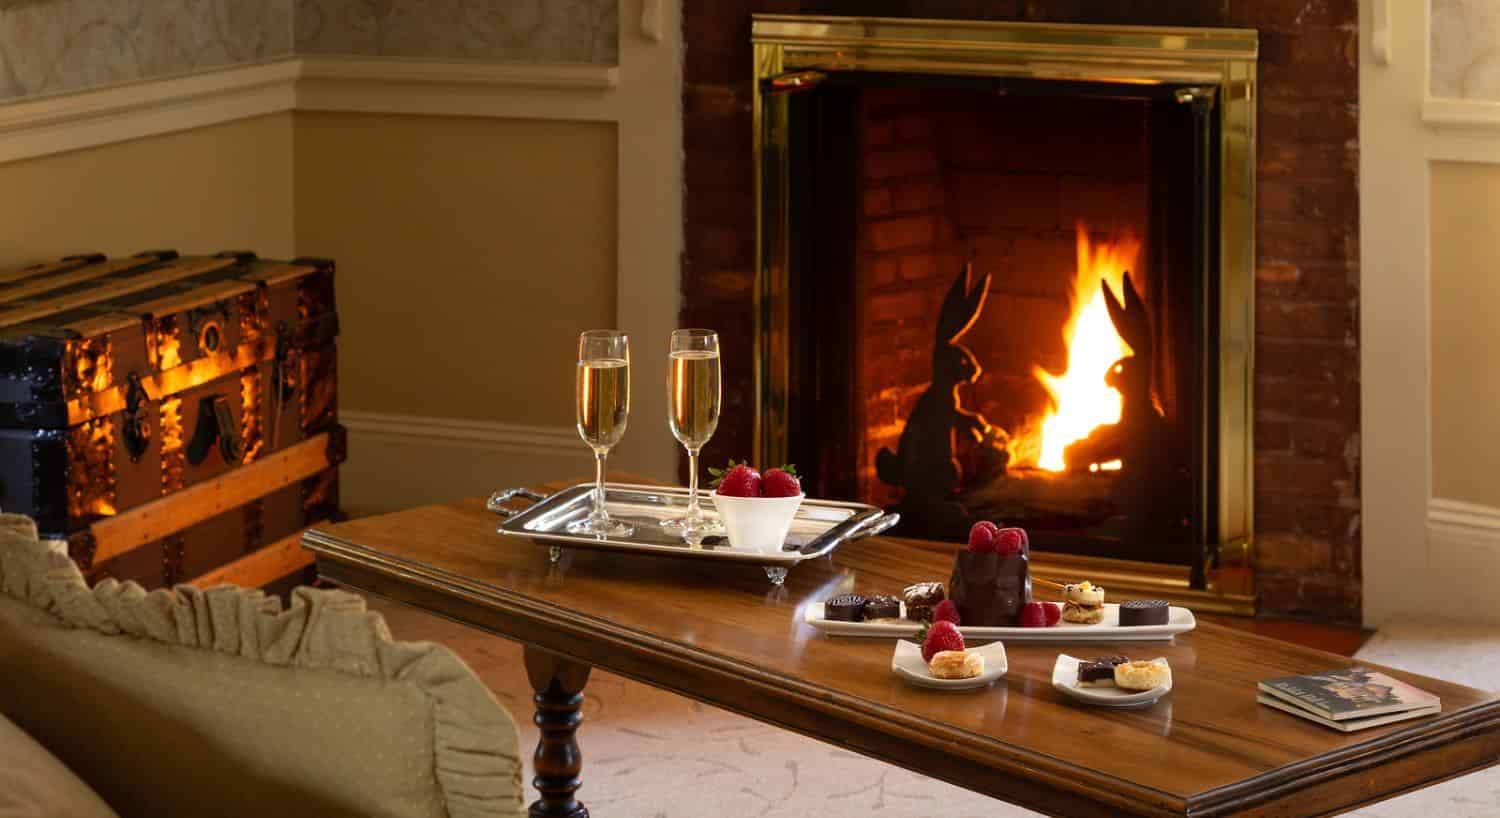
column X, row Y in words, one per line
column 902, row 187
column 917, row 227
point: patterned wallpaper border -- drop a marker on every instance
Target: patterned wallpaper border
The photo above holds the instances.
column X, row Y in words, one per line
column 1465, row 49
column 55, row 46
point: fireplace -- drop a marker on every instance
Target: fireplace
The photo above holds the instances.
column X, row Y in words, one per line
column 1005, row 272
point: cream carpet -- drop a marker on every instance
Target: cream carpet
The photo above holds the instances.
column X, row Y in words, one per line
column 652, row 754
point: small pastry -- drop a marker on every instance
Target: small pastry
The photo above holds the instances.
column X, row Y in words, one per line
column 1137, row 612
column 1140, row 675
column 844, row 608
column 921, row 599
column 881, row 607
column 956, row 664
column 1086, row 594
column 1099, row 671
column 1083, row 603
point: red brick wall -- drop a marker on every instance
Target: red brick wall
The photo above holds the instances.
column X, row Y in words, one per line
column 1307, row 279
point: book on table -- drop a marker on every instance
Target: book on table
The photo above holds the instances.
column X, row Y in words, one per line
column 1349, row 699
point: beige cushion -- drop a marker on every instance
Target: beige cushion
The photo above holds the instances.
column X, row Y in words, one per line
column 219, row 702
column 33, row 784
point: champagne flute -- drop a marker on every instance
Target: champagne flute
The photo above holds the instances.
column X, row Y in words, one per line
column 603, row 410
column 693, row 413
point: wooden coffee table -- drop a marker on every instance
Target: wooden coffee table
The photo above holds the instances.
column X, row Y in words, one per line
column 723, row 635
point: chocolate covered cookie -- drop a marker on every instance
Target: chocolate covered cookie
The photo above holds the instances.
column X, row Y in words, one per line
column 1137, row 612
column 881, row 607
column 844, row 608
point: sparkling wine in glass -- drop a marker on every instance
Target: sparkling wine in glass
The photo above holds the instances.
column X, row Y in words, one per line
column 693, row 398
column 603, row 411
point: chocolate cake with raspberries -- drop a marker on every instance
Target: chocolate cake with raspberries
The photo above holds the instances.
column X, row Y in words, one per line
column 991, row 580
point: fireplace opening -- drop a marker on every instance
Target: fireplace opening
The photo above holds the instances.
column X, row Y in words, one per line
column 1021, row 273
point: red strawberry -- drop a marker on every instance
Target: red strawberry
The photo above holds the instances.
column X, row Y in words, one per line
column 982, row 537
column 740, row 481
column 1010, row 541
column 1053, row 612
column 946, row 611
column 938, row 637
column 1032, row 616
column 780, row 482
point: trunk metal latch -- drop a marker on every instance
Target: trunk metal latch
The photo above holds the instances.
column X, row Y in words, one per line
column 137, row 430
column 215, row 423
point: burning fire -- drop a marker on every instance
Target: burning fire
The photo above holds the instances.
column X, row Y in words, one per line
column 1081, row 400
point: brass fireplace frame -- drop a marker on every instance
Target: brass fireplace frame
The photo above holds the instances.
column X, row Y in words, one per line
column 1218, row 63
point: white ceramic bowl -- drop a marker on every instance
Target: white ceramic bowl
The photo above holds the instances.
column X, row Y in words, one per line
column 757, row 523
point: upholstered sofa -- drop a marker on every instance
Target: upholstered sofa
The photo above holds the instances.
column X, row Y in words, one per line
column 220, row 702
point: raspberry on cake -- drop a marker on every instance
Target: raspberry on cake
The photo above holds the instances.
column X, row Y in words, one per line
column 946, row 611
column 982, row 536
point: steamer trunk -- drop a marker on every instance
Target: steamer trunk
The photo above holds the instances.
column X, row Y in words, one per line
column 175, row 418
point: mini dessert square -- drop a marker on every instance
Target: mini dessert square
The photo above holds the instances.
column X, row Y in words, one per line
column 883, row 607
column 921, row 599
column 1083, row 603
column 844, row 608
column 1099, row 671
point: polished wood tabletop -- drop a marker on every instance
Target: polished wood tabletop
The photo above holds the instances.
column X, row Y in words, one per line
column 722, row 634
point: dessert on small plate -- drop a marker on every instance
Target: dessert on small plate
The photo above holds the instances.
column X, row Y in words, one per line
column 1112, row 681
column 989, row 660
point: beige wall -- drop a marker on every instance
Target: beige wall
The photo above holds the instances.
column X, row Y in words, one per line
column 216, row 188
column 470, row 253
column 1465, row 242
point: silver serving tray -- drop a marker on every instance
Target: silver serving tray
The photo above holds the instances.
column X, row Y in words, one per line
column 819, row 527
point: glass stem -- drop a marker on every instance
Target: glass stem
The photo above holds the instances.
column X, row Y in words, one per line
column 599, row 515
column 693, row 514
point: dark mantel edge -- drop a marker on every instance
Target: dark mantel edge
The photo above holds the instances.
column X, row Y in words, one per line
column 1106, row 792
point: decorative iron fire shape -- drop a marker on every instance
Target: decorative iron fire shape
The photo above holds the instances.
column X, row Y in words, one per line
column 925, row 463
column 1132, row 439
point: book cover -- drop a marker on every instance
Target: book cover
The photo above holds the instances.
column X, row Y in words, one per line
column 1353, row 693
column 1347, row 725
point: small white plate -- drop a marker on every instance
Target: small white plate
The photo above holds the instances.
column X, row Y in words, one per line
column 1180, row 620
column 1065, row 680
column 907, row 663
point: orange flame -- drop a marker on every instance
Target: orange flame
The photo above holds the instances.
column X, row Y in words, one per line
column 1081, row 400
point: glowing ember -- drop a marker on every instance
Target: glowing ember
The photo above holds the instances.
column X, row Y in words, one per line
column 1081, row 400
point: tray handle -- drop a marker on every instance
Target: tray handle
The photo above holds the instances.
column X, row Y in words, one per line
column 881, row 524
column 848, row 531
column 497, row 501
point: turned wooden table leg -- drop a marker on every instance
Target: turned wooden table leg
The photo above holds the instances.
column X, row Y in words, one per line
column 558, row 682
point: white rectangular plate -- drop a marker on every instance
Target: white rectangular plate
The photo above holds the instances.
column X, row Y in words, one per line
column 1179, row 620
